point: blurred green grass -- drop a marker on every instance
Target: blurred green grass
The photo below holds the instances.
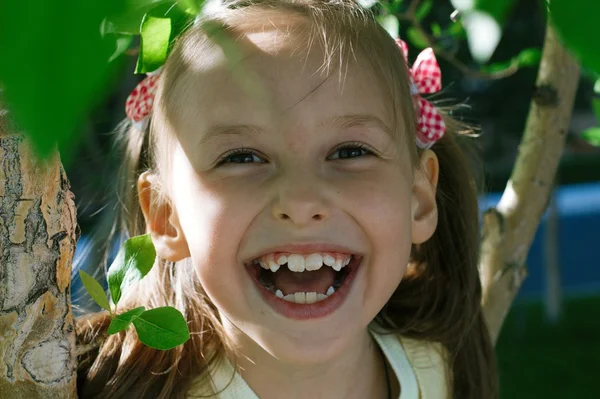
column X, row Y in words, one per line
column 537, row 359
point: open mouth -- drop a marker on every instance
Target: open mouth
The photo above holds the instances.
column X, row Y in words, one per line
column 303, row 279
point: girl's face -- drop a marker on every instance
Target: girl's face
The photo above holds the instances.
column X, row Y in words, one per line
column 274, row 158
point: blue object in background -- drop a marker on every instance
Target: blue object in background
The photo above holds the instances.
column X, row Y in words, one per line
column 578, row 209
column 578, row 240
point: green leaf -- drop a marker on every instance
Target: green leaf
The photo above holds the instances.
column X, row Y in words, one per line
column 576, row 21
column 424, row 9
column 134, row 260
column 497, row 67
column 122, row 43
column 191, row 6
column 390, row 6
column 417, row 38
column 397, row 3
column 162, row 328
column 391, row 25
column 596, row 108
column 529, row 57
column 122, row 321
column 129, row 18
column 95, row 290
column 500, row 10
column 457, row 30
column 54, row 68
column 436, row 30
column 592, row 136
column 596, row 100
column 160, row 27
column 156, row 35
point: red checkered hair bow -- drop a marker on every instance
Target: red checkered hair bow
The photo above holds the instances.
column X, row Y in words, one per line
column 426, row 78
column 139, row 103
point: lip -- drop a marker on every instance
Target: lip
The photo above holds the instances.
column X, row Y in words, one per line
column 297, row 311
column 305, row 248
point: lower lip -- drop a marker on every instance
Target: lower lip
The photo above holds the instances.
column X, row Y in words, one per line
column 299, row 311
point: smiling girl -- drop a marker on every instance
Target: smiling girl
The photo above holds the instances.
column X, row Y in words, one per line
column 314, row 219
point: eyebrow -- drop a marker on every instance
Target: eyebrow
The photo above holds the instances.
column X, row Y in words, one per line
column 342, row 122
column 230, row 130
column 352, row 120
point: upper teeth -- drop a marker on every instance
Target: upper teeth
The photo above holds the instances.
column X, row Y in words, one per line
column 300, row 263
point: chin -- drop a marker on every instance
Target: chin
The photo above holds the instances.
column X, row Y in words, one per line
column 305, row 351
column 307, row 343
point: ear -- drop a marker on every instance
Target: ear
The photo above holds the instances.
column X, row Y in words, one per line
column 424, row 207
column 162, row 221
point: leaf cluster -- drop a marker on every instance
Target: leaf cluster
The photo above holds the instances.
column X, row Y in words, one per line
column 159, row 328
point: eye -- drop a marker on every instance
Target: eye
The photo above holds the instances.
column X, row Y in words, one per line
column 351, row 150
column 240, row 156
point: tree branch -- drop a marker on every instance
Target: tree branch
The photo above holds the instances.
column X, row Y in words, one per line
column 410, row 16
column 508, row 230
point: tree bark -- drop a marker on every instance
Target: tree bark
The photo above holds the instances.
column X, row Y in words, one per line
column 509, row 229
column 38, row 233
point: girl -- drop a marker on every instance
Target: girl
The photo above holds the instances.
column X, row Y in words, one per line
column 313, row 241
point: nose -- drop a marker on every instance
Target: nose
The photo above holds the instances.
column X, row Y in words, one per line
column 300, row 199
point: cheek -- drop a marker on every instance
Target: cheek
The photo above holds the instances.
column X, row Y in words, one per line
column 213, row 231
column 382, row 205
column 213, row 220
column 383, row 210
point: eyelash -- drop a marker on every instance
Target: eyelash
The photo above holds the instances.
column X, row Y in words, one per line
column 248, row 151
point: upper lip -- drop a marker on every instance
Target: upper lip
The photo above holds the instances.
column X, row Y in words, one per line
column 304, row 248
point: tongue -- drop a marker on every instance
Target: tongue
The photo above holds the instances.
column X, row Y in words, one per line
column 290, row 282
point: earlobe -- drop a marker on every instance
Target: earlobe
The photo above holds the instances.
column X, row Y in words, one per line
column 424, row 206
column 162, row 221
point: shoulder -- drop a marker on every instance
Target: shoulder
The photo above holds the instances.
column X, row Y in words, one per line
column 430, row 363
column 422, row 366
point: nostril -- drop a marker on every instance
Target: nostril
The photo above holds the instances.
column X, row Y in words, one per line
column 285, row 216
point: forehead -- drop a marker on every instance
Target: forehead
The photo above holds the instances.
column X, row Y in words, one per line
column 272, row 78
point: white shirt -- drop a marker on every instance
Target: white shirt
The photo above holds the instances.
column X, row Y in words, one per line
column 417, row 365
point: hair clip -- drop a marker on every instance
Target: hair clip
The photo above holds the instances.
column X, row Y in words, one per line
column 426, row 78
column 139, row 103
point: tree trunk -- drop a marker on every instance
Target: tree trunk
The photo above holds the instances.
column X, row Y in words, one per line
column 38, row 233
column 508, row 230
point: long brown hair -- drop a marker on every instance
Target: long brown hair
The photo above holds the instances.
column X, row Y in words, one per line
column 439, row 299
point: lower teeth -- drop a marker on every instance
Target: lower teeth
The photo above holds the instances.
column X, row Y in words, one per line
column 305, row 297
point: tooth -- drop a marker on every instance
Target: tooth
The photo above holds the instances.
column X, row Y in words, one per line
column 330, row 291
column 281, row 260
column 273, row 266
column 270, row 261
column 289, row 298
column 338, row 265
column 347, row 260
column 328, row 260
column 320, row 297
column 296, row 263
column 263, row 264
column 279, row 294
column 300, row 297
column 311, row 297
column 313, row 262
